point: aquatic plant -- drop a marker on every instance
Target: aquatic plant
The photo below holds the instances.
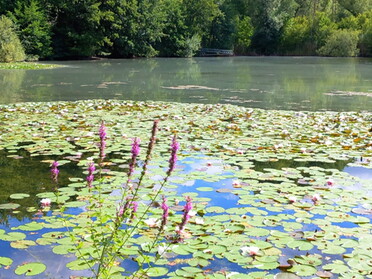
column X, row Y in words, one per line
column 108, row 232
column 251, row 174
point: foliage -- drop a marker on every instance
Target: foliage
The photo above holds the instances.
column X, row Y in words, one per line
column 366, row 39
column 296, row 35
column 35, row 29
column 137, row 28
column 321, row 28
column 146, row 28
column 77, row 30
column 256, row 194
column 243, row 35
column 11, row 48
column 341, row 43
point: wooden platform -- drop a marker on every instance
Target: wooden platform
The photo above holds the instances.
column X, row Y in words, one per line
column 213, row 52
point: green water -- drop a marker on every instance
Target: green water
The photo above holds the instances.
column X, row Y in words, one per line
column 294, row 83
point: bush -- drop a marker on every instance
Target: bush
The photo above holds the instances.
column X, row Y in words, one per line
column 365, row 43
column 243, row 35
column 11, row 48
column 341, row 43
column 190, row 46
column 295, row 36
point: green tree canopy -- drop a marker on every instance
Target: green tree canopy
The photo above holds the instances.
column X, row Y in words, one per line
column 11, row 48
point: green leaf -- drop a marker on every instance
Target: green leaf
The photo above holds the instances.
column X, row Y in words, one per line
column 303, row 270
column 30, row 269
column 12, row 236
column 4, row 261
column 9, row 206
column 156, row 271
column 19, row 196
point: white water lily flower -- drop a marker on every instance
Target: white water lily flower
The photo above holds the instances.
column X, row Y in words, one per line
column 250, row 250
column 316, row 197
column 236, row 182
column 152, row 222
column 192, row 213
column 45, row 202
column 199, row 221
column 292, row 199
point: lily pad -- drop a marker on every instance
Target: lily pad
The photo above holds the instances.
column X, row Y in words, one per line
column 19, row 196
column 5, row 261
column 30, row 269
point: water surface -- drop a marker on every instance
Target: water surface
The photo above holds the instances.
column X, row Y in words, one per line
column 291, row 83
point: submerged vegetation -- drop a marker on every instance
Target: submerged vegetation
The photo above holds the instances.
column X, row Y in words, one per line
column 266, row 194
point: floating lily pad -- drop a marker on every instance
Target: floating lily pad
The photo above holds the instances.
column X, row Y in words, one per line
column 303, row 270
column 156, row 271
column 30, row 269
column 9, row 206
column 19, row 196
column 5, row 261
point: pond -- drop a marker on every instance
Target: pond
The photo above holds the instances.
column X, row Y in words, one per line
column 290, row 83
column 294, row 185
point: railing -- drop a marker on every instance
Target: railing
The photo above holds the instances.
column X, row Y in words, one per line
column 215, row 52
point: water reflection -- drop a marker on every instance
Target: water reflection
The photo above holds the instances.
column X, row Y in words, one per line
column 265, row 82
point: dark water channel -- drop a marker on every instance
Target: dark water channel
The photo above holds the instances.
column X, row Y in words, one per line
column 291, row 83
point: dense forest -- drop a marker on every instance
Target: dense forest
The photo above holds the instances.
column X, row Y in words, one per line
column 57, row 29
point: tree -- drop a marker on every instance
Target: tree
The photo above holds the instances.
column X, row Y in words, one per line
column 356, row 7
column 134, row 28
column 35, row 30
column 365, row 43
column 295, row 36
column 223, row 28
column 341, row 43
column 321, row 28
column 244, row 32
column 11, row 48
column 77, row 31
column 270, row 17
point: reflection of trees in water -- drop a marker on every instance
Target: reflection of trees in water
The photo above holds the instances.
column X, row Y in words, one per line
column 274, row 82
column 10, row 84
column 28, row 175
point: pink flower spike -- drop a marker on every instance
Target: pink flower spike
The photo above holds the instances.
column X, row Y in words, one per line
column 102, row 143
column 102, row 131
column 90, row 177
column 136, row 147
column 134, row 206
column 173, row 159
column 135, row 152
column 165, row 216
column 54, row 171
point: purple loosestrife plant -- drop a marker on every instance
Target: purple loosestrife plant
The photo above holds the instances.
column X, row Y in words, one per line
column 135, row 152
column 90, row 177
column 185, row 218
column 173, row 159
column 102, row 142
column 54, row 171
column 165, row 208
column 121, row 224
column 150, row 146
column 134, row 205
